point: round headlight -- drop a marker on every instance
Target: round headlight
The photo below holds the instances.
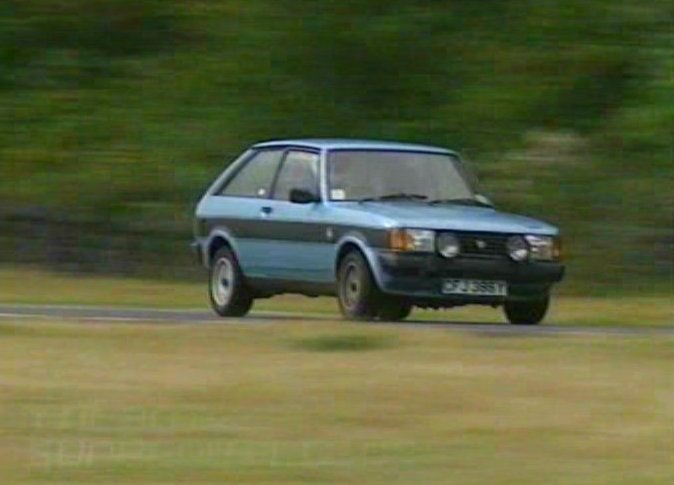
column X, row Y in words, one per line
column 448, row 245
column 518, row 249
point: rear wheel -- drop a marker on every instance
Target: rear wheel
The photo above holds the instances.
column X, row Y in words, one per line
column 358, row 294
column 229, row 294
column 528, row 312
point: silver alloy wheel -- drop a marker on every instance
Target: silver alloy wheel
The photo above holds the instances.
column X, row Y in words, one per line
column 352, row 286
column 222, row 283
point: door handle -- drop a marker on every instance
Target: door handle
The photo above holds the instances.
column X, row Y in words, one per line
column 266, row 211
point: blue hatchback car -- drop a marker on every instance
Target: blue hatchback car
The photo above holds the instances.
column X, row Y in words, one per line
column 382, row 226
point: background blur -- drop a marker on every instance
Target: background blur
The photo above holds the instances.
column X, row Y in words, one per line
column 115, row 115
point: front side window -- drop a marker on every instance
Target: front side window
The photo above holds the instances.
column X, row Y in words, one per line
column 380, row 174
column 256, row 176
column 299, row 171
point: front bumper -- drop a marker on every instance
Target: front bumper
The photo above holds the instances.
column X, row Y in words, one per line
column 420, row 276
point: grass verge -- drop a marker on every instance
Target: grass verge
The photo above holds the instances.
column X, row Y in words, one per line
column 252, row 404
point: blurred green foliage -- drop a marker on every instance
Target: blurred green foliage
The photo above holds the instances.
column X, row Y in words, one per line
column 124, row 110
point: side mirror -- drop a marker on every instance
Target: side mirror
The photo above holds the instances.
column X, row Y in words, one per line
column 301, row 196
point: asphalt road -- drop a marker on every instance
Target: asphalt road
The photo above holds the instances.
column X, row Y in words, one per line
column 197, row 317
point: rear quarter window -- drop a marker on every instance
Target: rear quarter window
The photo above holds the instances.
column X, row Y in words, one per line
column 255, row 178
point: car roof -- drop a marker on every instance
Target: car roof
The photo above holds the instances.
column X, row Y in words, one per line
column 351, row 144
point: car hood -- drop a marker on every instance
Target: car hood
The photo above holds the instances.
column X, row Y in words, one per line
column 452, row 217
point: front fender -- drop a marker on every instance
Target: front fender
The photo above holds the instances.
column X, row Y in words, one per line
column 359, row 240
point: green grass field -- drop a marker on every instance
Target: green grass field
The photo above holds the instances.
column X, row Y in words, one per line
column 31, row 287
column 330, row 403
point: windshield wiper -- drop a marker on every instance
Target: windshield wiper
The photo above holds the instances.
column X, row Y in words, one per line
column 398, row 196
column 460, row 201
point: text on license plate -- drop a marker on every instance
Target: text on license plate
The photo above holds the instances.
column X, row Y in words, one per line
column 475, row 287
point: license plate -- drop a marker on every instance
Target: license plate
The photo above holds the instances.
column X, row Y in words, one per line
column 475, row 287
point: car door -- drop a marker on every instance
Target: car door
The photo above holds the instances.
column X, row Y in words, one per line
column 302, row 248
column 242, row 208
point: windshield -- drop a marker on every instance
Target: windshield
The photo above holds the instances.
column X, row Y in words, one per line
column 357, row 175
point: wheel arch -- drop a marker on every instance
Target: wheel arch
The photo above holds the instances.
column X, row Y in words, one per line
column 218, row 239
column 356, row 242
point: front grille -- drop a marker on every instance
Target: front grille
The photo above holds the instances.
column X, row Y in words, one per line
column 483, row 245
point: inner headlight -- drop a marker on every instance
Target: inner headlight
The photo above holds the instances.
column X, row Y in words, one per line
column 544, row 248
column 416, row 240
column 448, row 245
column 518, row 248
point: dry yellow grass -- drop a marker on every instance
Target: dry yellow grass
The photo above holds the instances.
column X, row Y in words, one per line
column 330, row 403
column 40, row 287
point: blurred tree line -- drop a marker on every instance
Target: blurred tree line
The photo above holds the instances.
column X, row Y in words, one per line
column 120, row 112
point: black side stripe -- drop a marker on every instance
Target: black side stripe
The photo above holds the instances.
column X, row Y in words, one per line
column 295, row 231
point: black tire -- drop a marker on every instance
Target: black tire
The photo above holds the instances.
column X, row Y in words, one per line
column 528, row 312
column 227, row 289
column 391, row 310
column 357, row 294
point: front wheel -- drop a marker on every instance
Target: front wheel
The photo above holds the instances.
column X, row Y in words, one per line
column 392, row 310
column 358, row 294
column 528, row 312
column 229, row 294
